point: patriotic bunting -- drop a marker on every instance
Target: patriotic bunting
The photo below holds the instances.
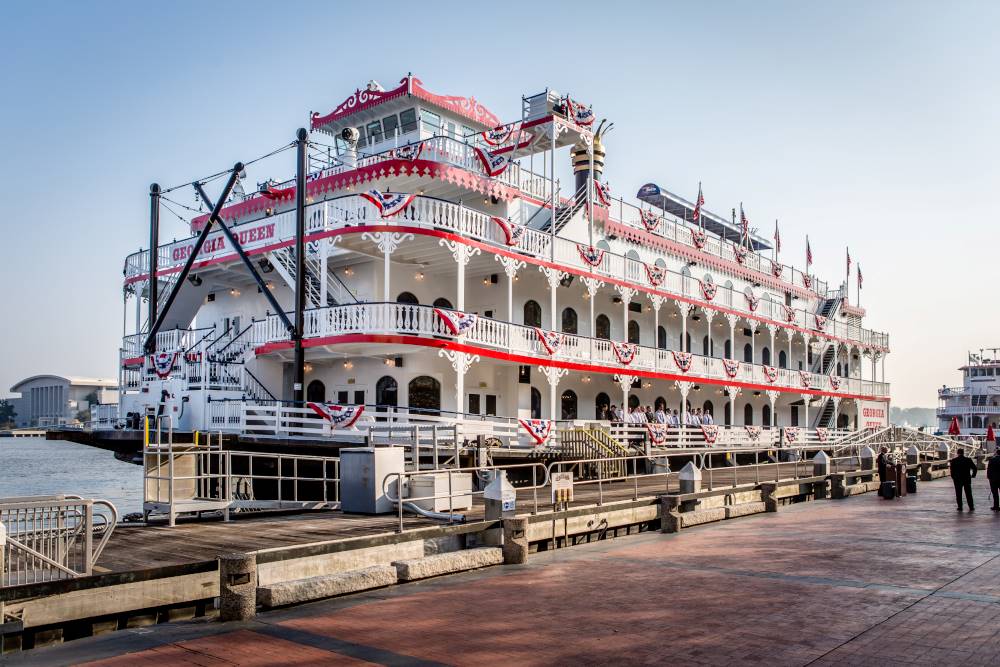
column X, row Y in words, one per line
column 340, row 416
column 493, row 164
column 789, row 313
column 708, row 289
column 657, row 433
column 805, row 379
column 740, row 253
column 163, row 363
column 655, row 274
column 777, row 269
column 807, row 280
column 650, row 220
column 457, row 322
column 698, row 203
column 699, row 238
column 820, row 322
column 771, row 373
column 752, row 301
column 822, row 434
column 268, row 190
column 579, row 114
column 408, row 152
column 603, row 192
column 590, row 254
column 551, row 340
column 731, row 366
column 753, row 432
column 501, row 134
column 512, row 231
column 389, row 203
column 711, row 433
column 791, row 434
column 834, row 382
column 538, row 429
column 682, row 360
column 625, row 352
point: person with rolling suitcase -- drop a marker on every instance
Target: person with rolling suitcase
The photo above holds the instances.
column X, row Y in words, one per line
column 993, row 475
column 963, row 469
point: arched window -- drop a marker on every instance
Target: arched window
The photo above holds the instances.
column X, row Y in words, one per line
column 601, row 405
column 782, row 360
column 569, row 321
column 765, row 356
column 633, row 402
column 708, row 409
column 633, row 331
column 602, row 327
column 747, row 414
column 442, row 302
column 729, row 414
column 407, row 297
column 569, row 404
column 532, row 316
column 386, row 392
column 705, row 351
column 765, row 415
column 748, row 353
column 661, row 338
column 424, row 395
column 729, row 349
column 316, row 392
column 536, row 403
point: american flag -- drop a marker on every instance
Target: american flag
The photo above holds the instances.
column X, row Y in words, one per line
column 744, row 223
column 777, row 238
column 848, row 262
column 860, row 278
column 698, row 204
column 809, row 254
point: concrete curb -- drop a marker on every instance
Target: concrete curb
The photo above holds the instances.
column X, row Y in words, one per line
column 330, row 585
column 448, row 563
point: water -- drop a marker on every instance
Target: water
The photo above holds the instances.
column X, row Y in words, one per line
column 38, row 467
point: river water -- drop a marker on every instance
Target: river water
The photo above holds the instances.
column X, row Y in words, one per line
column 39, row 467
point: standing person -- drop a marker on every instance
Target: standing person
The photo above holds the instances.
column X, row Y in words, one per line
column 963, row 469
column 649, row 414
column 881, row 462
column 707, row 418
column 661, row 416
column 993, row 474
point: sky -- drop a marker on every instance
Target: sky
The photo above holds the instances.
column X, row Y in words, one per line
column 871, row 125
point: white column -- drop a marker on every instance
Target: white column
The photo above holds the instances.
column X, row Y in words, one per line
column 553, row 276
column 460, row 363
column 685, row 309
column 684, row 386
column 462, row 254
column 625, row 383
column 510, row 268
column 593, row 285
column 732, row 319
column 387, row 242
column 626, row 294
column 709, row 316
column 773, row 397
column 805, row 402
column 553, row 374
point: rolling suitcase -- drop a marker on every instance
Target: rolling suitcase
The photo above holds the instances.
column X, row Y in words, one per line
column 887, row 490
column 911, row 484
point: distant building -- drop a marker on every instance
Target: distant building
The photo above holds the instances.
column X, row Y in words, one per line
column 50, row 400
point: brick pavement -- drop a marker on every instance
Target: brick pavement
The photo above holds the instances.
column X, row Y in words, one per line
column 855, row 581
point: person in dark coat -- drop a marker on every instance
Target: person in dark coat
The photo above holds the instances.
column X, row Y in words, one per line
column 881, row 462
column 963, row 469
column 993, row 474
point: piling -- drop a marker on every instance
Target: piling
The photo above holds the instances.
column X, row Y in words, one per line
column 515, row 541
column 237, row 586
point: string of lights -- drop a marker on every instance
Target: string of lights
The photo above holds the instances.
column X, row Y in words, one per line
column 225, row 172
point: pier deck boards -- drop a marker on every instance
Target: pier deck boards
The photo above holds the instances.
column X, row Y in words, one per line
column 144, row 547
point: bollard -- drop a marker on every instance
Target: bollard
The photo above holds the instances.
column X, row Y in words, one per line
column 866, row 460
column 980, row 460
column 944, row 451
column 925, row 472
column 821, row 465
column 912, row 455
column 515, row 541
column 690, row 478
column 237, row 587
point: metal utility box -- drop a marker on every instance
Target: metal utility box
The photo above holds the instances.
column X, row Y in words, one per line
column 436, row 484
column 362, row 471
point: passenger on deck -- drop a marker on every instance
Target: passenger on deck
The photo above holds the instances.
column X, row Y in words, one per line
column 707, row 418
column 661, row 416
column 674, row 419
column 881, row 462
column 613, row 414
column 963, row 469
column 993, row 474
column 649, row 414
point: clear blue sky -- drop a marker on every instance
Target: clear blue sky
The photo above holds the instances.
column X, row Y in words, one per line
column 861, row 123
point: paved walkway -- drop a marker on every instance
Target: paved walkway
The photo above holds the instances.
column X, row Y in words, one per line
column 853, row 582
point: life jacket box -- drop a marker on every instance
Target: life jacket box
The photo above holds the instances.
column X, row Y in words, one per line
column 887, row 490
column 911, row 484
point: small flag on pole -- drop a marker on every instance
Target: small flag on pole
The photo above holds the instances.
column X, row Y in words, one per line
column 698, row 204
column 860, row 278
column 848, row 261
column 744, row 223
column 777, row 238
column 809, row 254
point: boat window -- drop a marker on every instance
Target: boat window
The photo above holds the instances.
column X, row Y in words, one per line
column 407, row 297
column 569, row 404
column 602, row 327
column 374, row 130
column 661, row 338
column 532, row 314
column 748, row 414
column 430, row 121
column 451, row 129
column 633, row 332
column 389, row 125
column 424, row 394
column 442, row 302
column 316, row 392
column 408, row 120
column 765, row 415
column 361, row 137
column 601, row 404
column 536, row 404
column 386, row 392
column 569, row 321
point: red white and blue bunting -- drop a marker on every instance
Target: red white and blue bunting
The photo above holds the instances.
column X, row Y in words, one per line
column 731, row 366
column 752, row 301
column 753, row 432
column 708, row 289
column 806, row 379
column 493, row 164
column 538, row 429
column 789, row 313
column 550, row 340
column 501, row 134
column 603, row 192
column 699, row 238
column 650, row 220
column 791, row 434
column 822, row 434
column 657, row 433
column 457, row 322
column 820, row 322
column 711, row 433
column 771, row 373
column 389, row 203
column 625, row 352
column 339, row 416
column 682, row 360
column 834, row 382
column 268, row 190
column 777, row 269
column 162, row 363
column 512, row 231
column 655, row 274
column 590, row 254
column 407, row 152
column 579, row 114
column 740, row 253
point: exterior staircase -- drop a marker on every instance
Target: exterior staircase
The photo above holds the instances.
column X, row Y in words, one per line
column 582, row 443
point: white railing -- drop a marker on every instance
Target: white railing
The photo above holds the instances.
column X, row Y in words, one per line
column 53, row 537
column 104, row 416
column 351, row 210
column 398, row 318
column 969, row 410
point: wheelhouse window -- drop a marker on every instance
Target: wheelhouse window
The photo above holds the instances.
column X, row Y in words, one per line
column 374, row 132
column 532, row 314
column 408, row 120
column 430, row 121
column 389, row 126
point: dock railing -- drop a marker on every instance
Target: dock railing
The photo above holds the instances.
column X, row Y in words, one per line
column 52, row 537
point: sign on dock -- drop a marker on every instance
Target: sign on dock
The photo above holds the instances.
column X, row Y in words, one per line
column 562, row 487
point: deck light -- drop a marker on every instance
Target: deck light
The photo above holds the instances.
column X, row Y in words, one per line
column 420, row 275
column 348, row 365
column 195, row 280
column 348, row 271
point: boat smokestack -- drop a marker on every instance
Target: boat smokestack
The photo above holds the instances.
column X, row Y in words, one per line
column 581, row 157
